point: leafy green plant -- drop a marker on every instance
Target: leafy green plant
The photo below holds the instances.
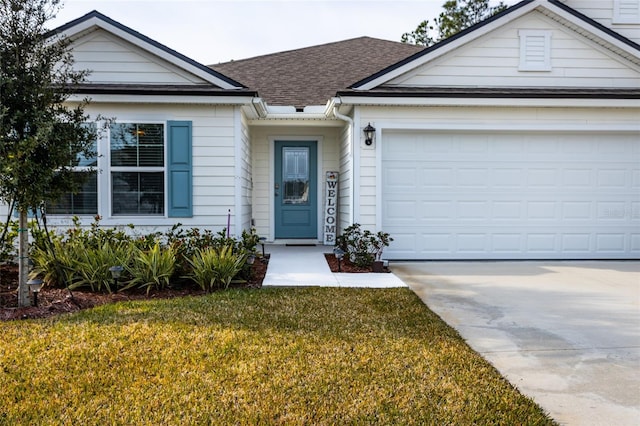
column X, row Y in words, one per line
column 94, row 263
column 152, row 268
column 57, row 263
column 7, row 243
column 216, row 267
column 363, row 246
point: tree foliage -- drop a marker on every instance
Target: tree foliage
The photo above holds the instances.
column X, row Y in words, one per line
column 40, row 135
column 456, row 16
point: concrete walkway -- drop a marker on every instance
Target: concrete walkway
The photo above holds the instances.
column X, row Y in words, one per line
column 566, row 334
column 291, row 266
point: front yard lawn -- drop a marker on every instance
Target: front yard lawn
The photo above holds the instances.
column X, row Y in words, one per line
column 270, row 356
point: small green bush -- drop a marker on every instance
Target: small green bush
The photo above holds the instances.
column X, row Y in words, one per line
column 215, row 267
column 9, row 233
column 57, row 263
column 152, row 268
column 94, row 263
column 363, row 247
column 82, row 256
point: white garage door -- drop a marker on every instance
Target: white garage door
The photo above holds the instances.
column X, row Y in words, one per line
column 510, row 195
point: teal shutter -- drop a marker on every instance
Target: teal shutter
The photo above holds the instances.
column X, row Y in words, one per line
column 179, row 169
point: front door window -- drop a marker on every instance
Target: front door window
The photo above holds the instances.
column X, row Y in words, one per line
column 295, row 175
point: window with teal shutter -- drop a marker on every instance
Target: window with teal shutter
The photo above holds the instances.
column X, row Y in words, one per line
column 179, row 169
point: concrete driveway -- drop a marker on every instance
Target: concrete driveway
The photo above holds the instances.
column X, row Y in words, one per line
column 566, row 334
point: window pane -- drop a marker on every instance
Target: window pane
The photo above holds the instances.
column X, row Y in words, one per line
column 137, row 145
column 91, row 160
column 295, row 175
column 137, row 193
column 123, row 144
column 85, row 201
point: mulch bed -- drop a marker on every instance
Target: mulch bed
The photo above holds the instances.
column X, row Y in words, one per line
column 346, row 265
column 56, row 301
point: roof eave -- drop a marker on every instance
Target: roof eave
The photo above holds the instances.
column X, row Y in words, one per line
column 521, row 97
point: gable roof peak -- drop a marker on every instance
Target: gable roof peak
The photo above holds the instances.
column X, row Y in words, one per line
column 79, row 26
column 555, row 7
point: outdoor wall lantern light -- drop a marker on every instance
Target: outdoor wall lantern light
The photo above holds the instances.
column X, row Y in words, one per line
column 339, row 254
column 369, row 133
column 35, row 286
column 116, row 271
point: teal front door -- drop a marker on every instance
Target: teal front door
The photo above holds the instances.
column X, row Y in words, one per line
column 296, row 189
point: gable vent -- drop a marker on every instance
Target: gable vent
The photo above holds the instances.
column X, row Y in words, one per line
column 535, row 50
column 626, row 12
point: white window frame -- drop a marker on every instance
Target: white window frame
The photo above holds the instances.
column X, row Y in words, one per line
column 623, row 12
column 107, row 184
column 526, row 37
column 97, row 170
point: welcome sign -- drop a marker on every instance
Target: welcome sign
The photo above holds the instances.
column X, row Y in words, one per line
column 330, row 208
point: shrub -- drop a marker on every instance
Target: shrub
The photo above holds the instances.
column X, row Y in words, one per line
column 152, row 268
column 81, row 257
column 9, row 234
column 94, row 263
column 216, row 267
column 57, row 263
column 363, row 247
column 186, row 243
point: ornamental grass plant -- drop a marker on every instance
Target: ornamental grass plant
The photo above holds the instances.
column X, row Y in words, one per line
column 271, row 356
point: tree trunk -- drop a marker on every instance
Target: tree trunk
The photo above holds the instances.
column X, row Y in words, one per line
column 24, row 298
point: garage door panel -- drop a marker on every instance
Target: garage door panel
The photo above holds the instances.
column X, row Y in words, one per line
column 612, row 178
column 438, row 176
column 507, row 177
column 576, row 243
column 577, row 177
column 541, row 244
column 507, row 243
column 472, row 243
column 399, row 211
column 507, row 210
column 512, row 196
column 472, row 210
column 577, row 210
column 614, row 242
column 403, row 178
column 472, row 178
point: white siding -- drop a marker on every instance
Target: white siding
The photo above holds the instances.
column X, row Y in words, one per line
column 213, row 165
column 493, row 61
column 113, row 60
column 262, row 166
column 345, row 203
column 602, row 11
column 246, row 185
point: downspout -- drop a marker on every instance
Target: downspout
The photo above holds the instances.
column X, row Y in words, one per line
column 349, row 121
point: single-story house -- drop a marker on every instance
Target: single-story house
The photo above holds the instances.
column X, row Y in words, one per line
column 518, row 138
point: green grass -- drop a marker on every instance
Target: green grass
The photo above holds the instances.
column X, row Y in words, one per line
column 271, row 356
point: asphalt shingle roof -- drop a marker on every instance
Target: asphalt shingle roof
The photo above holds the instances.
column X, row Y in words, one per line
column 312, row 75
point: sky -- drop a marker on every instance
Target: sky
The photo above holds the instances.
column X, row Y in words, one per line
column 214, row 31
